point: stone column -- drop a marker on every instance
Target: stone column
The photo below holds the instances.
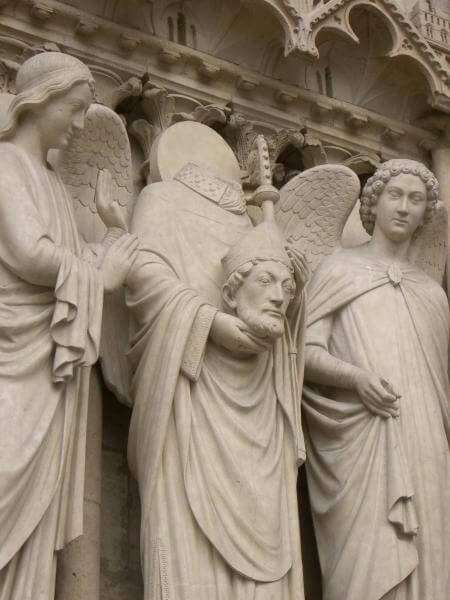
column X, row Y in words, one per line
column 78, row 573
column 441, row 168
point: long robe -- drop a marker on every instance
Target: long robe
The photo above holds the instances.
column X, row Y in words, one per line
column 379, row 487
column 214, row 441
column 50, row 316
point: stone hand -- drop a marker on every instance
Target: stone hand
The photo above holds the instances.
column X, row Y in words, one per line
column 300, row 265
column 109, row 211
column 118, row 260
column 377, row 394
column 233, row 334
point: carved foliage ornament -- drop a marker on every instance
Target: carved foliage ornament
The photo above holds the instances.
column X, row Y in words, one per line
column 160, row 110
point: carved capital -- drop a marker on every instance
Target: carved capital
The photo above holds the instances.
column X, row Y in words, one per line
column 160, row 109
column 313, row 153
column 210, row 114
column 145, row 134
column 240, row 134
column 131, row 87
column 158, row 106
column 281, row 139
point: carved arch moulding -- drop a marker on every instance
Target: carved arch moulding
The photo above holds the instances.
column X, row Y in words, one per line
column 303, row 20
column 291, row 15
column 334, row 16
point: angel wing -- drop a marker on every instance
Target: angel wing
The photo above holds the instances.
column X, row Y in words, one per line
column 429, row 249
column 314, row 207
column 102, row 144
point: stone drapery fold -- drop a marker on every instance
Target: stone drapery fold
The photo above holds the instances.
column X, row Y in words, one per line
column 50, row 315
column 175, row 285
column 379, row 487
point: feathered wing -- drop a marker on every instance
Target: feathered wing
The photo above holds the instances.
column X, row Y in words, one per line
column 314, row 207
column 429, row 248
column 102, row 144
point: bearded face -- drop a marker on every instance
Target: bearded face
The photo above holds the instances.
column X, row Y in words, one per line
column 263, row 298
column 263, row 325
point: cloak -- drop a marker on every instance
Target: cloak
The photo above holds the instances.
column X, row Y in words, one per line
column 50, row 315
column 379, row 487
column 191, row 395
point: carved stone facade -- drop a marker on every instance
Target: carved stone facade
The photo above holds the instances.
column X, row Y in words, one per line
column 432, row 18
column 353, row 82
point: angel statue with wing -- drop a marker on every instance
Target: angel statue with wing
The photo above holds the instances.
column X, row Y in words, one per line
column 51, row 298
column 375, row 403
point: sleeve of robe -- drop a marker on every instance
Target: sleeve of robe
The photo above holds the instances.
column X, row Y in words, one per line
column 27, row 250
column 157, row 279
column 153, row 286
column 172, row 327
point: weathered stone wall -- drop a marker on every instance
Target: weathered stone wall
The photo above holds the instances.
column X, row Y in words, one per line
column 120, row 563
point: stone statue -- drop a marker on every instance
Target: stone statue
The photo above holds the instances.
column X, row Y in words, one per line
column 376, row 400
column 51, row 296
column 215, row 437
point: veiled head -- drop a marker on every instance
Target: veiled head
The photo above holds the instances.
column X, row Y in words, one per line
column 377, row 183
column 40, row 79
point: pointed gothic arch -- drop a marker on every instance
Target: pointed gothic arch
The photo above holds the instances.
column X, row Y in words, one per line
column 407, row 42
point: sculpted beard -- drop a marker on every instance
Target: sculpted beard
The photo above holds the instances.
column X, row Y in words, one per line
column 262, row 325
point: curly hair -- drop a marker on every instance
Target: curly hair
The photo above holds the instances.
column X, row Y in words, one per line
column 237, row 278
column 41, row 77
column 376, row 184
